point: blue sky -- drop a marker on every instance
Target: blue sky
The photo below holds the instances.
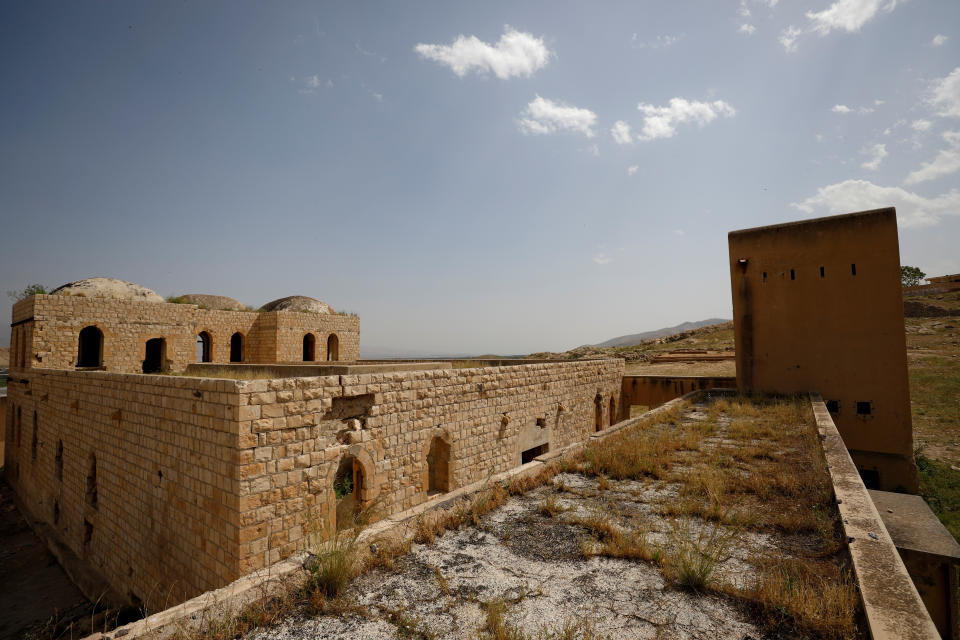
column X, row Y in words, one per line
column 468, row 177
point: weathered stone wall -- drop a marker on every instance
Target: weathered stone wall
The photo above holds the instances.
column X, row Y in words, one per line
column 164, row 523
column 46, row 329
column 653, row 391
column 199, row 481
column 294, row 433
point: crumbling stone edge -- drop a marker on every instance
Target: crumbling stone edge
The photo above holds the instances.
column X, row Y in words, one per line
column 221, row 604
column 892, row 606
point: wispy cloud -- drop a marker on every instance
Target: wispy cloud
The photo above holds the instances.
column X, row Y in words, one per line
column 843, row 15
column 621, row 132
column 632, row 169
column 945, row 95
column 913, row 210
column 660, row 42
column 844, row 109
column 662, row 122
column 311, row 84
column 946, row 162
column 877, row 153
column 517, row 53
column 938, row 40
column 543, row 116
column 921, row 125
column 747, row 28
column 602, row 258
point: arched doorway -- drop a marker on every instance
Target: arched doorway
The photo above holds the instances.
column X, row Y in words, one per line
column 613, row 411
column 598, row 413
column 438, row 466
column 90, row 347
column 204, row 347
column 309, row 348
column 333, row 347
column 236, row 347
column 155, row 354
column 347, row 490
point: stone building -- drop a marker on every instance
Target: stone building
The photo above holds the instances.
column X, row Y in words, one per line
column 166, row 486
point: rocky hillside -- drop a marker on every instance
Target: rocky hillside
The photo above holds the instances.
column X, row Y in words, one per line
column 637, row 338
column 717, row 337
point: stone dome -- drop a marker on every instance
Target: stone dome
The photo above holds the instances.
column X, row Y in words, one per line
column 107, row 288
column 206, row 301
column 298, row 303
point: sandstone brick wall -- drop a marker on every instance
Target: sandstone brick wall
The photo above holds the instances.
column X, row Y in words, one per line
column 46, row 329
column 164, row 527
column 200, row 481
column 293, row 433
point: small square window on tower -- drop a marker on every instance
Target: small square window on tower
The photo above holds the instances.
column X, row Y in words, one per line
column 833, row 406
column 864, row 408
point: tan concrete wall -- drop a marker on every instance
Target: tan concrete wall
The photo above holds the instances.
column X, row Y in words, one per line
column 165, row 522
column 200, row 480
column 653, row 391
column 840, row 334
column 46, row 328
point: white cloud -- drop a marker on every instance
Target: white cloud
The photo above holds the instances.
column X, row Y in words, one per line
column 819, row 137
column 913, row 210
column 841, row 108
column 938, row 40
column 543, row 116
column 602, row 258
column 945, row 95
column 921, row 125
column 679, row 232
column 660, row 42
column 877, row 153
column 842, row 15
column 632, row 169
column 788, row 38
column 848, row 15
column 747, row 28
column 621, row 132
column 743, row 10
column 946, row 162
column 377, row 96
column 515, row 54
column 662, row 122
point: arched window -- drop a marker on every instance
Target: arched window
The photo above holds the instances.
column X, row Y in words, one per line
column 204, row 347
column 347, row 488
column 90, row 347
column 155, row 354
column 333, row 347
column 438, row 466
column 598, row 413
column 613, row 411
column 91, row 494
column 309, row 348
column 236, row 347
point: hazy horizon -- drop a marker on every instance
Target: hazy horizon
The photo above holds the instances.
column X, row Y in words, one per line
column 469, row 178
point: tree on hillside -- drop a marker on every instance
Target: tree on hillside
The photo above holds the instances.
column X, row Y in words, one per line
column 911, row 276
column 27, row 292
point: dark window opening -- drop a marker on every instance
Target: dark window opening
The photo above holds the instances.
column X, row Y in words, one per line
column 871, row 478
column 541, row 422
column 33, row 440
column 58, row 460
column 156, row 353
column 821, row 272
column 864, row 408
column 236, row 347
column 853, row 269
column 438, row 466
column 613, row 411
column 309, row 348
column 333, row 347
column 764, row 276
column 347, row 488
column 90, row 347
column 87, row 532
column 598, row 413
column 833, row 406
column 793, row 274
column 530, row 454
column 204, row 347
column 91, row 493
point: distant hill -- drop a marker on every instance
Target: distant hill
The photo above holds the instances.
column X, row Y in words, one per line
column 637, row 338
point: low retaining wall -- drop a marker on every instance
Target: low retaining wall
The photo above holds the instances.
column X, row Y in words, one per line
column 892, row 605
column 653, row 391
